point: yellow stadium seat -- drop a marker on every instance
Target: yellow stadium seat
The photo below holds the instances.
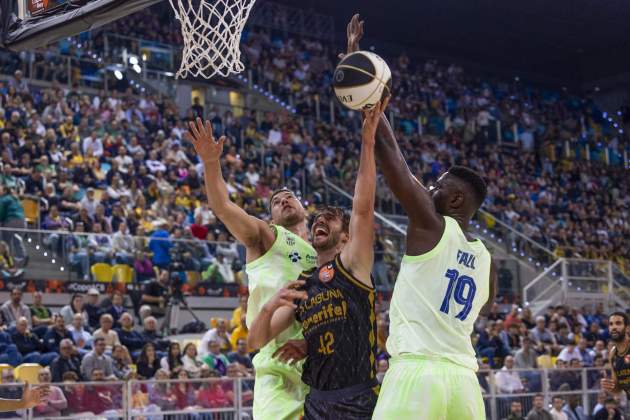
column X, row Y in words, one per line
column 4, row 366
column 102, row 272
column 193, row 277
column 31, row 211
column 28, row 372
column 123, row 273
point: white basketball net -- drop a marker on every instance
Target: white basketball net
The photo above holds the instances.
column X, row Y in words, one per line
column 212, row 32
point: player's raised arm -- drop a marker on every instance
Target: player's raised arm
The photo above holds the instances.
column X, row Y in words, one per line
column 275, row 316
column 485, row 310
column 252, row 232
column 358, row 254
column 412, row 195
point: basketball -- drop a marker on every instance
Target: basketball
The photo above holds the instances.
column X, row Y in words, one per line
column 361, row 80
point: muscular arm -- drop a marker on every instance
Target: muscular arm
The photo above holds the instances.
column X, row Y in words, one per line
column 252, row 232
column 358, row 254
column 255, row 234
column 485, row 310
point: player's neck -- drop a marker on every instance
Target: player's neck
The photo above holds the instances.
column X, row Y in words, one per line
column 299, row 229
column 623, row 345
column 463, row 222
column 327, row 255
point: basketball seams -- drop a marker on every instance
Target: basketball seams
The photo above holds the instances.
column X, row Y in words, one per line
column 379, row 79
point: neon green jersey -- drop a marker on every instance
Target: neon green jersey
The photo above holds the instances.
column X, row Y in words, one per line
column 437, row 298
column 289, row 256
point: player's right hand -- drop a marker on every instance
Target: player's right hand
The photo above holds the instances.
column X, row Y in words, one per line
column 607, row 384
column 288, row 295
column 354, row 32
column 32, row 396
column 200, row 135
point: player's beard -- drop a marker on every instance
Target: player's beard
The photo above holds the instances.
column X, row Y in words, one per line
column 617, row 337
column 331, row 241
column 292, row 218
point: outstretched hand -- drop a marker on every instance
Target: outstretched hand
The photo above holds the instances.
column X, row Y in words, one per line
column 371, row 118
column 607, row 384
column 32, row 396
column 200, row 135
column 354, row 32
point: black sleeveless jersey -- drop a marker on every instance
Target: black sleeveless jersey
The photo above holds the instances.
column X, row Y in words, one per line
column 621, row 366
column 339, row 326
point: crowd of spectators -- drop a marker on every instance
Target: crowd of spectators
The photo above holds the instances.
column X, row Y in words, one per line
column 95, row 339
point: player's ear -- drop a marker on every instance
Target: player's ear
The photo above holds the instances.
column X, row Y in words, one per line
column 456, row 200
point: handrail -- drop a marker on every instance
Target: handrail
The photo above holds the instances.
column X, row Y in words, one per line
column 378, row 215
column 517, row 233
column 542, row 275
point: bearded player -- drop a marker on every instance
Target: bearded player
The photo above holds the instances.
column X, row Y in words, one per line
column 276, row 254
column 445, row 279
column 619, row 355
column 336, row 305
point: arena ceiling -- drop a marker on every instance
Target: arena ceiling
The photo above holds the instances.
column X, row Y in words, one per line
column 561, row 41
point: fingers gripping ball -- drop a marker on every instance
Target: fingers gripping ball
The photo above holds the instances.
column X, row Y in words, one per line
column 361, row 80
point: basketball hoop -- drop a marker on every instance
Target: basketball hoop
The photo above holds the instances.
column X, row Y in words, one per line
column 212, row 33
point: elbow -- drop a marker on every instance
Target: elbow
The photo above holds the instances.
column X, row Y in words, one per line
column 254, row 343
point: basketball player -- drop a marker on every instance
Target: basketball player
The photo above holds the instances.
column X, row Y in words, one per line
column 31, row 396
column 276, row 254
column 619, row 355
column 445, row 279
column 337, row 302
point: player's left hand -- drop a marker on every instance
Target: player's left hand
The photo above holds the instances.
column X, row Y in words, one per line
column 291, row 352
column 354, row 32
column 32, row 396
column 371, row 118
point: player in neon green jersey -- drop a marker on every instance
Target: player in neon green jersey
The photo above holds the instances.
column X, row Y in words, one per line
column 445, row 280
column 276, row 254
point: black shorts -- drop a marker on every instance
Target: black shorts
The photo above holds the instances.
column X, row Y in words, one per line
column 354, row 403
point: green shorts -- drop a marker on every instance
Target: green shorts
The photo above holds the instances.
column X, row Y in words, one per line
column 279, row 392
column 419, row 388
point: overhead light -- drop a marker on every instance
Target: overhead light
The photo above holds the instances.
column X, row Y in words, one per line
column 133, row 60
column 144, row 57
column 118, row 74
column 137, row 68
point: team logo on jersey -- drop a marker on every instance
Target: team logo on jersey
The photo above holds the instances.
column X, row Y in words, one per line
column 290, row 241
column 626, row 359
column 294, row 256
column 327, row 273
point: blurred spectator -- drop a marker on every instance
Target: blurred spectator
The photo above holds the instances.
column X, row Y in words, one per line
column 41, row 315
column 570, row 352
column 10, row 391
column 542, row 336
column 156, row 293
column 80, row 336
column 74, row 307
column 160, row 245
column 143, row 267
column 172, row 363
column 14, row 309
column 148, row 363
column 538, row 411
column 116, row 310
column 525, row 357
column 241, row 356
column 97, row 360
column 219, row 334
column 556, row 408
column 572, row 409
column 150, row 334
column 7, row 264
column 121, row 362
column 30, row 345
column 516, row 411
column 507, row 380
column 239, row 333
column 192, row 364
column 610, row 411
column 106, row 332
column 214, row 359
column 131, row 339
column 56, row 401
column 56, row 332
column 68, row 361
column 238, row 312
column 124, row 245
column 93, row 309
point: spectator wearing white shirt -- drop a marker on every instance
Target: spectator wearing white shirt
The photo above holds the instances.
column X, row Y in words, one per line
column 123, row 245
column 556, row 410
column 124, row 161
column 219, row 334
column 154, row 164
column 95, row 143
column 570, row 352
column 89, row 202
column 507, row 380
column 275, row 136
column 207, row 217
column 81, row 338
column 252, row 175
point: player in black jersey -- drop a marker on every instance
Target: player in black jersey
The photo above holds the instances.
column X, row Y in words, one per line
column 619, row 355
column 335, row 302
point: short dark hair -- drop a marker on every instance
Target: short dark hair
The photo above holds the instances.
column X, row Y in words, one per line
column 473, row 179
column 98, row 340
column 620, row 314
column 337, row 212
column 279, row 191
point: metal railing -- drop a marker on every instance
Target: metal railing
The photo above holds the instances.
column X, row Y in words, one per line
column 231, row 398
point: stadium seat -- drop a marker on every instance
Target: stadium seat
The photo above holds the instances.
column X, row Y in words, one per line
column 4, row 366
column 193, row 277
column 31, row 211
column 28, row 372
column 102, row 272
column 123, row 273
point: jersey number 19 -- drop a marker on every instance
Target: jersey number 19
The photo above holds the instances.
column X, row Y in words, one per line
column 463, row 295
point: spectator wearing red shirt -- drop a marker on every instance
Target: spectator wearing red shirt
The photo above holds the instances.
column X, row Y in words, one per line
column 198, row 230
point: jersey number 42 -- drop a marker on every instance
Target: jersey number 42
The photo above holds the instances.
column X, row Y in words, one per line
column 464, row 292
